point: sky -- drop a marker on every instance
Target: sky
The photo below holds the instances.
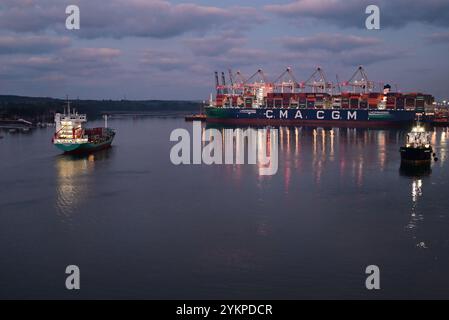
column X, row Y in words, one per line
column 159, row 49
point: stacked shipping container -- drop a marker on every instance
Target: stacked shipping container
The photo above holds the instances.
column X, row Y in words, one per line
column 411, row 101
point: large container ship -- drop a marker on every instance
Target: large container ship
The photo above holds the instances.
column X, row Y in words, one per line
column 72, row 137
column 285, row 101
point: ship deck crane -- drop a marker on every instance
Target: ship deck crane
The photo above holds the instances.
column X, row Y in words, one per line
column 217, row 83
column 231, row 80
column 237, row 82
column 223, row 82
column 253, row 87
column 283, row 83
column 318, row 82
column 359, row 80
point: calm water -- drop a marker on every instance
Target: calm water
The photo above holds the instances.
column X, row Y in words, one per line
column 140, row 227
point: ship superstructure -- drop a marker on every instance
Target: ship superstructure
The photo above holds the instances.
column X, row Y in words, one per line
column 418, row 149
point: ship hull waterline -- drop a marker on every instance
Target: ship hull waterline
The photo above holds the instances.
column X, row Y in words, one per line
column 83, row 148
column 328, row 117
column 416, row 156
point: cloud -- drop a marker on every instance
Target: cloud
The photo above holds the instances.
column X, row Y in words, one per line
column 347, row 50
column 351, row 13
column 235, row 57
column 79, row 62
column 92, row 54
column 437, row 38
column 367, row 57
column 215, row 45
column 123, row 18
column 246, row 56
column 226, row 50
column 30, row 15
column 165, row 60
column 329, row 42
column 32, row 44
column 347, row 58
column 37, row 63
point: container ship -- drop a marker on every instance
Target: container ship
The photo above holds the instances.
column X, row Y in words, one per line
column 316, row 101
column 72, row 137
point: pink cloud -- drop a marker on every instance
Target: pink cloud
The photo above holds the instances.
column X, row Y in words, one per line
column 351, row 13
column 32, row 44
column 124, row 18
column 331, row 42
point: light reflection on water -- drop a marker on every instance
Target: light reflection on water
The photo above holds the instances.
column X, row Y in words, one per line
column 70, row 190
column 418, row 178
column 345, row 146
column 74, row 174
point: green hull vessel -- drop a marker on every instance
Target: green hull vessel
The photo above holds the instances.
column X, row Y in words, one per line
column 72, row 137
column 88, row 146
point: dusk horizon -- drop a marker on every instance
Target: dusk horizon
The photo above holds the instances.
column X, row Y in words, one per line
column 169, row 50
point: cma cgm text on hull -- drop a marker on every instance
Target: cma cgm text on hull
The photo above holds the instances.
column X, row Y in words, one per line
column 314, row 101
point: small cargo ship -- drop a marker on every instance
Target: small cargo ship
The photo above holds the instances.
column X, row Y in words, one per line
column 316, row 101
column 418, row 150
column 72, row 137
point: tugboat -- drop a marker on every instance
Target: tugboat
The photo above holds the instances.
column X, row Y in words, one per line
column 72, row 137
column 417, row 152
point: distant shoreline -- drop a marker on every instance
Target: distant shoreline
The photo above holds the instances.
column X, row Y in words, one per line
column 42, row 109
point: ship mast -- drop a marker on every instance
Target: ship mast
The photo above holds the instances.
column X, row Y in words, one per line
column 68, row 104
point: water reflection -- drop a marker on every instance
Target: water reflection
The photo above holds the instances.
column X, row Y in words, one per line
column 358, row 154
column 439, row 140
column 417, row 176
column 73, row 175
column 349, row 151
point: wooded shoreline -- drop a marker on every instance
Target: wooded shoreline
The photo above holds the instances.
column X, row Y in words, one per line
column 42, row 109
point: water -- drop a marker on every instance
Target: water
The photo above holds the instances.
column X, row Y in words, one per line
column 140, row 227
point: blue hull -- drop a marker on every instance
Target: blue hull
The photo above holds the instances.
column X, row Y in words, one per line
column 280, row 116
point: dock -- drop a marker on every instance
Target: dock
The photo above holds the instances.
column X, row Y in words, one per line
column 19, row 124
column 196, row 117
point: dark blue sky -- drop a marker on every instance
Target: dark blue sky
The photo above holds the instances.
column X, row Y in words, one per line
column 157, row 49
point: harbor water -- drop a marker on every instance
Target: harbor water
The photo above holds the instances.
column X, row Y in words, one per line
column 139, row 226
